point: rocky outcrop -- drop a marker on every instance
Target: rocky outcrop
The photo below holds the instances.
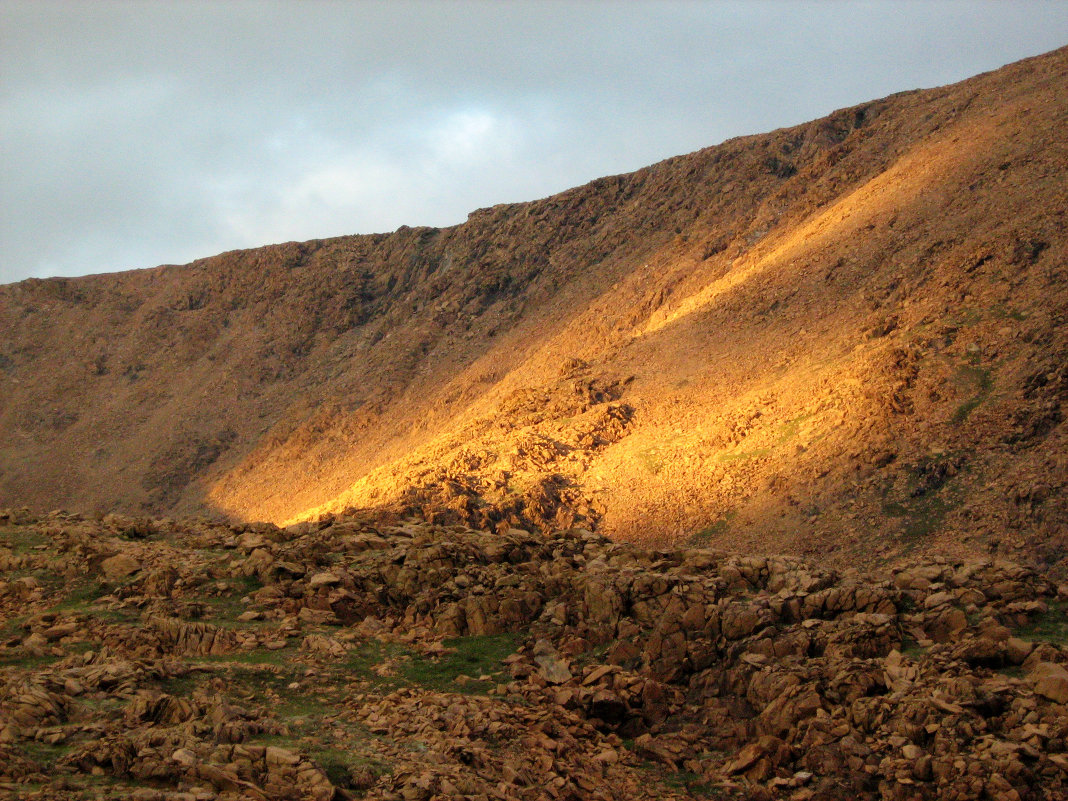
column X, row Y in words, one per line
column 356, row 657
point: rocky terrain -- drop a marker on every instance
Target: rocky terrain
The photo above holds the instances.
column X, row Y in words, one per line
column 384, row 658
column 844, row 340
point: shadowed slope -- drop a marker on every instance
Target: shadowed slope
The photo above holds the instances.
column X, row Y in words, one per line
column 841, row 334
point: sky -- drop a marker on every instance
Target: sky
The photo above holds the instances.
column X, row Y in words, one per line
column 134, row 134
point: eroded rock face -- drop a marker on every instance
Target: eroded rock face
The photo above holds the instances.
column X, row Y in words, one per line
column 359, row 658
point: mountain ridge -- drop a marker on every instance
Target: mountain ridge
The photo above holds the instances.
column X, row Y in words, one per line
column 845, row 336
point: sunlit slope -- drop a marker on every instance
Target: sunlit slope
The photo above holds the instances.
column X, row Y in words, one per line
column 845, row 336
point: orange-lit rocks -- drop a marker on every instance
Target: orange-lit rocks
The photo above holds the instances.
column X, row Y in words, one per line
column 449, row 663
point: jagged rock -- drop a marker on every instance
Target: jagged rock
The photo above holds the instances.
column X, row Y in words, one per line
column 1050, row 680
column 326, row 646
column 119, row 566
column 622, row 656
column 322, row 580
column 551, row 665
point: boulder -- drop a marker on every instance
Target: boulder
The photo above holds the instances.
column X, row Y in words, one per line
column 1050, row 680
column 119, row 567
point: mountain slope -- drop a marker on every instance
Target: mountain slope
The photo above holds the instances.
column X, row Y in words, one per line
column 845, row 337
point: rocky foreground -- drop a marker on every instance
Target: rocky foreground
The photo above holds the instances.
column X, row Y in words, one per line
column 353, row 658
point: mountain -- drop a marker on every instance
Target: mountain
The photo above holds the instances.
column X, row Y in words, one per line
column 846, row 338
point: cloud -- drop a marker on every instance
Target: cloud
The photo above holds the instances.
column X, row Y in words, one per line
column 133, row 134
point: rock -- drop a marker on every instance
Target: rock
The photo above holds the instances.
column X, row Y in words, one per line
column 693, row 662
column 551, row 665
column 1017, row 650
column 184, row 757
column 280, row 756
column 326, row 646
column 323, row 580
column 1050, row 680
column 946, row 625
column 119, row 567
column 58, row 632
column 317, row 617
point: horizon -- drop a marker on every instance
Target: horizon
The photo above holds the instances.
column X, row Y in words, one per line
column 134, row 136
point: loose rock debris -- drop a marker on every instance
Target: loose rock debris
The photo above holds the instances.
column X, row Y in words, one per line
column 349, row 658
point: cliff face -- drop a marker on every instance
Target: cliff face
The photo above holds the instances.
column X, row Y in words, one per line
column 848, row 336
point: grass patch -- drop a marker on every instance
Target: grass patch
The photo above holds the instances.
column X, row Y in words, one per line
column 960, row 414
column 680, row 781
column 931, row 489
column 926, row 516
column 181, row 686
column 247, row 585
column 12, row 627
column 1012, row 671
column 717, row 529
column 339, row 765
column 1006, row 313
column 691, row 783
column 45, row 755
column 967, row 317
column 471, row 656
column 976, row 379
column 27, row 662
column 1050, row 626
column 22, row 539
column 912, row 649
column 653, row 457
column 785, row 432
column 281, row 658
column 82, row 596
column 740, row 456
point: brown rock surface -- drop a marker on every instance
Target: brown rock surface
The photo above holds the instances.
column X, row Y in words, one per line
column 845, row 338
column 449, row 663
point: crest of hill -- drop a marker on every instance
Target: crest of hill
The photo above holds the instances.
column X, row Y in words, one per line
column 846, row 337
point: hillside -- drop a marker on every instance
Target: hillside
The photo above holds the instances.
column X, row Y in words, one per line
column 845, row 338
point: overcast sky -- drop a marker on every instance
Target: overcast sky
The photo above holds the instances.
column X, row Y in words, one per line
column 139, row 133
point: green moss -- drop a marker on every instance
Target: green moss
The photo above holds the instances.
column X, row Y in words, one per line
column 1050, row 626
column 960, row 414
column 22, row 539
column 717, row 529
column 976, row 379
column 339, row 765
column 912, row 649
column 968, row 317
column 471, row 656
column 741, row 456
column 44, row 755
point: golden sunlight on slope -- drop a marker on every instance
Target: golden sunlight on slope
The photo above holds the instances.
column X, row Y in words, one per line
column 848, row 337
column 761, row 404
column 926, row 168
